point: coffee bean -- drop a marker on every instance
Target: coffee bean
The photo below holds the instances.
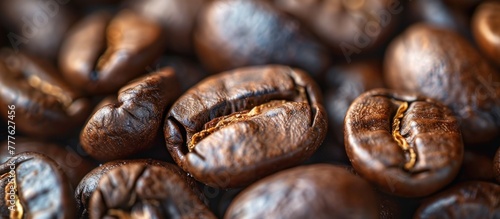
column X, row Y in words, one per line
column 73, row 165
column 442, row 65
column 474, row 199
column 315, row 191
column 438, row 13
column 45, row 104
column 232, row 34
column 102, row 53
column 238, row 126
column 90, row 182
column 119, row 130
column 401, row 141
column 177, row 17
column 34, row 186
column 485, row 28
column 360, row 25
column 476, row 166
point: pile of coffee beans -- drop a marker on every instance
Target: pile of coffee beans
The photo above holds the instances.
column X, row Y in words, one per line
column 249, row 109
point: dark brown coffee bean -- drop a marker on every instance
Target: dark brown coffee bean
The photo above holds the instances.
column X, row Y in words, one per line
column 239, row 33
column 119, row 130
column 177, row 17
column 346, row 25
column 238, row 126
column 138, row 190
column 406, row 144
column 437, row 13
column 486, row 29
column 36, row 27
column 101, row 53
column 73, row 165
column 33, row 186
column 473, row 199
column 442, row 65
column 476, row 166
column 345, row 83
column 315, row 191
column 496, row 165
column 90, row 182
column 44, row 104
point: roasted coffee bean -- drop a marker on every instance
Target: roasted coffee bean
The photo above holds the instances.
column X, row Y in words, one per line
column 102, row 53
column 437, row 13
column 442, row 65
column 188, row 72
column 406, row 144
column 496, row 165
column 73, row 165
column 476, row 166
column 315, row 191
column 44, row 104
column 346, row 25
column 239, row 33
column 90, row 182
column 345, row 83
column 33, row 186
column 138, row 190
column 472, row 199
column 37, row 27
column 177, row 17
column 485, row 25
column 238, row 126
column 119, row 130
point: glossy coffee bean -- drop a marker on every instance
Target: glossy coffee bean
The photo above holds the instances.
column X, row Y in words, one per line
column 315, row 191
column 496, row 165
column 233, row 34
column 442, row 65
column 238, row 126
column 33, row 186
column 138, row 190
column 177, row 17
column 345, row 83
column 90, row 182
column 73, row 165
column 129, row 126
column 102, row 53
column 44, row 104
column 486, row 29
column 474, row 199
column 37, row 27
column 406, row 144
column 346, row 25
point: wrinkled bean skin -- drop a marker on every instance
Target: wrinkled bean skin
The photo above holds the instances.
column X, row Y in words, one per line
column 232, row 34
column 43, row 191
column 156, row 191
column 473, row 199
column 426, row 126
column 356, row 23
column 177, row 17
column 119, row 130
column 90, row 182
column 485, row 26
column 45, row 105
column 345, row 83
column 496, row 165
column 444, row 66
column 238, row 126
column 102, row 53
column 315, row 191
column 74, row 166
column 36, row 27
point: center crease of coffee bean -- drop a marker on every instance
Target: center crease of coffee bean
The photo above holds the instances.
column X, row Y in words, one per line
column 47, row 88
column 231, row 119
column 396, row 126
column 18, row 212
